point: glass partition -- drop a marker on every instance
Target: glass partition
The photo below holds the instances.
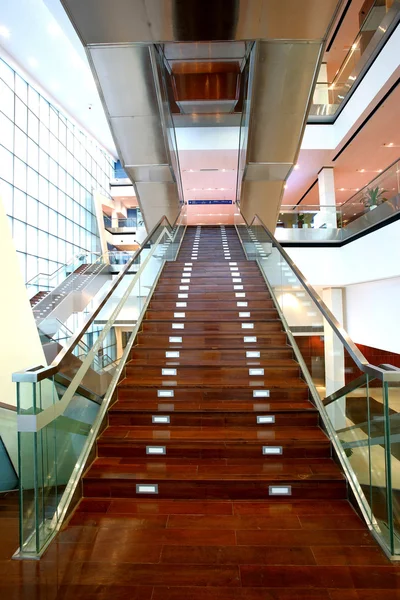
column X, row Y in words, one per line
column 339, row 76
column 61, row 407
column 358, row 402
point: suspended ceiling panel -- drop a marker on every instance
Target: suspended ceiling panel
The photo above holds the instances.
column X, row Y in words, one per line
column 126, row 21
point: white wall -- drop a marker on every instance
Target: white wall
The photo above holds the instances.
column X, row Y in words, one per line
column 370, row 258
column 369, row 270
column 371, row 311
column 20, row 346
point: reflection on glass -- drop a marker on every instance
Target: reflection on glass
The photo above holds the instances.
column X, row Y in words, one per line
column 331, row 91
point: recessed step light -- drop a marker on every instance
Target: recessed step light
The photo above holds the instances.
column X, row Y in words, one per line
column 280, row 490
column 183, row 295
column 175, row 340
column 238, row 287
column 172, row 354
column 265, row 419
column 168, row 371
column 240, row 295
column 158, row 450
column 181, row 304
column 160, row 419
column 188, row 264
column 252, row 354
column 178, row 325
column 165, row 393
column 179, row 315
column 253, row 372
column 250, row 339
column 146, row 488
column 242, row 304
column 247, row 325
column 244, row 315
column 272, row 450
column 260, row 393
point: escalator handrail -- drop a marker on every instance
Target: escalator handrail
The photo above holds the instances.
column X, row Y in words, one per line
column 358, row 357
column 40, row 372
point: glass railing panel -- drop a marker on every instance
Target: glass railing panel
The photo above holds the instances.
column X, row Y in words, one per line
column 330, row 93
column 57, row 411
column 358, row 402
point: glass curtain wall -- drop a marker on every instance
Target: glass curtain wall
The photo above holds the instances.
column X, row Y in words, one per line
column 48, row 171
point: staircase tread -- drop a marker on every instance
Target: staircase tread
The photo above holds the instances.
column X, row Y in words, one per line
column 156, row 435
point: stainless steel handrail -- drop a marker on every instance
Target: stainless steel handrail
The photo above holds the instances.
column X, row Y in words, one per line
column 39, row 373
column 340, row 331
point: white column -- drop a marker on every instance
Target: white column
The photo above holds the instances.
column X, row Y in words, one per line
column 20, row 346
column 334, row 357
column 327, row 199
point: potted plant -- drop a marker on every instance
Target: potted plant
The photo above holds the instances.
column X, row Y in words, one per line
column 373, row 197
column 300, row 220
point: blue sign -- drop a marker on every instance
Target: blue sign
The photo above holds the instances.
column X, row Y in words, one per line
column 210, row 202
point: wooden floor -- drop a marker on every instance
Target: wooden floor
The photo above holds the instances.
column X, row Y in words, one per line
column 212, row 532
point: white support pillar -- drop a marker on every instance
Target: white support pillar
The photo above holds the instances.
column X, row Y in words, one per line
column 334, row 357
column 327, row 199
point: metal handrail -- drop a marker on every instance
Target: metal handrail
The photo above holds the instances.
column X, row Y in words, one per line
column 64, row 266
column 39, row 373
column 358, row 357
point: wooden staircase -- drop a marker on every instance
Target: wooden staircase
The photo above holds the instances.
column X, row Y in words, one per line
column 213, row 479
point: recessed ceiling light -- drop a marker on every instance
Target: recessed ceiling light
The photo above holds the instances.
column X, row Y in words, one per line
column 342, row 189
column 33, row 62
column 362, row 170
column 296, row 167
column 4, row 31
column 379, row 170
column 391, row 144
column 352, row 77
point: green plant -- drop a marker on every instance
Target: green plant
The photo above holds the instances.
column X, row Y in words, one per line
column 373, row 197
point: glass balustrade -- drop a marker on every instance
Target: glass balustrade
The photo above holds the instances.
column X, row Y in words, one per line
column 61, row 407
column 337, row 81
column 375, row 203
column 358, row 402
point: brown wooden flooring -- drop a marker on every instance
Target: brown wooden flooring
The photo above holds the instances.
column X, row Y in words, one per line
column 212, row 532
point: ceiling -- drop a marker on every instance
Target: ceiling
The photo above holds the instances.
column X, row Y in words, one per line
column 359, row 163
column 41, row 39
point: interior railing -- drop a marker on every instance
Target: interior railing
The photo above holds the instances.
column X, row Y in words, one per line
column 61, row 407
column 358, row 402
column 330, row 96
column 376, row 203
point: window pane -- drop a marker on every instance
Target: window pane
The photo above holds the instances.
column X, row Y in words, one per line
column 21, row 115
column 43, row 246
column 19, row 235
column 43, row 190
column 33, row 155
column 33, row 127
column 33, row 183
column 6, row 132
column 19, row 174
column 32, row 211
column 6, row 74
column 31, row 266
column 53, row 196
column 21, row 144
column 43, row 217
column 19, row 205
column 44, row 111
column 32, row 241
column 21, row 88
column 6, row 195
column 6, row 100
column 43, row 164
column 6, row 164
column 33, row 100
